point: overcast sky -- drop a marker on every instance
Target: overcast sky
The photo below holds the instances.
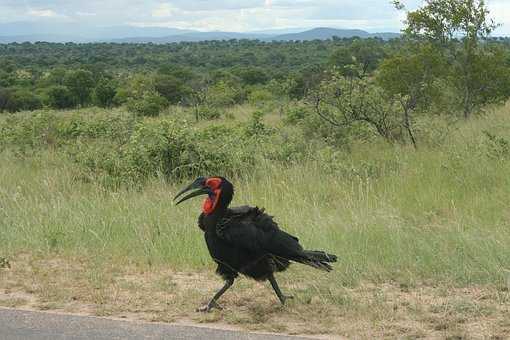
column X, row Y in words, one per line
column 225, row 15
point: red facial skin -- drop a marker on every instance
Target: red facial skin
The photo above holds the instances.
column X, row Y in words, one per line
column 209, row 205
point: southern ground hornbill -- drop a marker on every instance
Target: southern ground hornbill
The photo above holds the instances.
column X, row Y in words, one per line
column 246, row 240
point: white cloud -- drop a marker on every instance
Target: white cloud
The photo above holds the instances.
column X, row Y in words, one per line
column 42, row 13
column 164, row 10
column 85, row 14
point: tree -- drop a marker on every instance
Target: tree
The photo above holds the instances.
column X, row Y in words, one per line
column 173, row 89
column 22, row 100
column 409, row 79
column 442, row 22
column 344, row 101
column 7, row 79
column 151, row 104
column 105, row 93
column 59, row 97
column 252, row 75
column 367, row 53
column 80, row 84
column 198, row 94
column 445, row 20
column 341, row 57
column 4, row 98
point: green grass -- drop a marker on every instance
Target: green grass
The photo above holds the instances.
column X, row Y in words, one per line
column 390, row 213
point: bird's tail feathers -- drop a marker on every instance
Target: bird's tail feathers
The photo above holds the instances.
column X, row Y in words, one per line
column 318, row 259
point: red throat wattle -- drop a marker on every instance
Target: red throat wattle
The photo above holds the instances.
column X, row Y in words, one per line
column 210, row 203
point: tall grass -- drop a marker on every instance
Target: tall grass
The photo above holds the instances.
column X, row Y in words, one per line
column 390, row 213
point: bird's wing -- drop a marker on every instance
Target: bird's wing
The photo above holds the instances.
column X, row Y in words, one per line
column 252, row 229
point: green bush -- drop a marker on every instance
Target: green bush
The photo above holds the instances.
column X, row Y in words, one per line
column 27, row 133
column 119, row 148
column 295, row 114
column 59, row 97
column 150, row 105
column 209, row 112
column 105, row 93
column 20, row 100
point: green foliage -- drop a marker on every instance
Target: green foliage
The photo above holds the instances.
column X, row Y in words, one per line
column 208, row 112
column 256, row 126
column 4, row 98
column 442, row 22
column 413, row 75
column 260, row 96
column 105, row 93
column 80, row 84
column 487, row 79
column 341, row 57
column 126, row 149
column 59, row 97
column 498, row 147
column 352, row 104
column 150, row 104
column 252, row 75
column 170, row 87
column 295, row 113
column 26, row 134
column 19, row 99
column 354, row 89
column 224, row 94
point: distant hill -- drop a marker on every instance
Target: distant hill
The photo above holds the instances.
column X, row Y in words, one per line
column 52, row 38
column 323, row 33
column 313, row 34
column 194, row 37
column 65, row 32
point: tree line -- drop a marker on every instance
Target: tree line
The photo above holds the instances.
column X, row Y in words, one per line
column 446, row 62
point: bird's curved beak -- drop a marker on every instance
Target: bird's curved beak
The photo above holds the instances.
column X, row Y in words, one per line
column 199, row 187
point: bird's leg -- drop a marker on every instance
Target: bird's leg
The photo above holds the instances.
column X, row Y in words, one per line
column 277, row 290
column 213, row 304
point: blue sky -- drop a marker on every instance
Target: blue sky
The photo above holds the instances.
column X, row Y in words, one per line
column 226, row 15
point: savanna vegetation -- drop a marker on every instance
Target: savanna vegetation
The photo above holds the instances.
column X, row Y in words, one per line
column 395, row 155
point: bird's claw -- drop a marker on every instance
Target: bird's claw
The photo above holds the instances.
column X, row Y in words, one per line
column 209, row 307
column 285, row 298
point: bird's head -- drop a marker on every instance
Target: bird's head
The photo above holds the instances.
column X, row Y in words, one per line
column 219, row 192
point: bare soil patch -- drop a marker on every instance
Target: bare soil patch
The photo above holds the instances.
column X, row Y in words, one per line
column 320, row 308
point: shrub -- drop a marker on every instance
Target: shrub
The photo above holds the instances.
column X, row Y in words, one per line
column 27, row 133
column 59, row 97
column 498, row 147
column 105, row 93
column 170, row 87
column 150, row 105
column 224, row 94
column 209, row 112
column 295, row 114
column 260, row 96
column 22, row 100
column 80, row 84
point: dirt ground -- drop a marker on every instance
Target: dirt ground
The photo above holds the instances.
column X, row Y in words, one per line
column 321, row 308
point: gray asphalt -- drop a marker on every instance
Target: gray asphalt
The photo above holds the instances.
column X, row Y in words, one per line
column 25, row 325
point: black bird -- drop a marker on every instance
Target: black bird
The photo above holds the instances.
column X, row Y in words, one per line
column 246, row 240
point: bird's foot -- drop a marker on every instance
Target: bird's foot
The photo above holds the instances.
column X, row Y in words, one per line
column 284, row 298
column 209, row 307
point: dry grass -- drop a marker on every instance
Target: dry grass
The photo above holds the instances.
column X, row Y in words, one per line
column 320, row 307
